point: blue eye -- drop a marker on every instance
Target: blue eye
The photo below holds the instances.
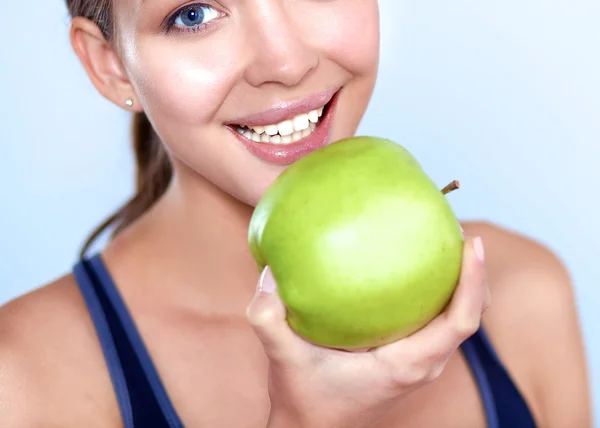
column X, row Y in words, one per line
column 194, row 16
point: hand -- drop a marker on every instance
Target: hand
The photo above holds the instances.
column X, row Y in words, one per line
column 315, row 387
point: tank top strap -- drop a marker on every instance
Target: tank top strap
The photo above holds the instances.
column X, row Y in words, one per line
column 504, row 405
column 142, row 398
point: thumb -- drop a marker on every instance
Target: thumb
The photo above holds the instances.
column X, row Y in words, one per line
column 267, row 316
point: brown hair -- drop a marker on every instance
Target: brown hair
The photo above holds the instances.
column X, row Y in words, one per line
column 154, row 170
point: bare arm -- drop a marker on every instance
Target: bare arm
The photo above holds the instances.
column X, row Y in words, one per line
column 52, row 371
column 534, row 323
column 561, row 367
column 17, row 400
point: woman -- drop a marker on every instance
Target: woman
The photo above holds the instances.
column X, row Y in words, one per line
column 165, row 328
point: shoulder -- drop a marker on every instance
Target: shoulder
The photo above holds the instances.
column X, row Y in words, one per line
column 534, row 324
column 51, row 360
column 520, row 266
column 526, row 277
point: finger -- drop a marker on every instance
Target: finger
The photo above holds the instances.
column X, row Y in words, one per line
column 461, row 319
column 487, row 301
column 267, row 316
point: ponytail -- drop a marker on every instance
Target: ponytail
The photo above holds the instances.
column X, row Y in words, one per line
column 153, row 175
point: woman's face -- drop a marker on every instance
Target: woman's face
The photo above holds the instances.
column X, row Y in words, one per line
column 239, row 89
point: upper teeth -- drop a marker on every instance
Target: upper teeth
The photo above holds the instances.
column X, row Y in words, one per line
column 288, row 127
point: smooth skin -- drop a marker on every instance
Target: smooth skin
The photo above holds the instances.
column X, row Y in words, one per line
column 186, row 274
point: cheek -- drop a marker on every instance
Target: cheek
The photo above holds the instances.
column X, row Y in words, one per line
column 184, row 82
column 349, row 33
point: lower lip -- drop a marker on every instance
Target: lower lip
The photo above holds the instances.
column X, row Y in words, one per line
column 286, row 154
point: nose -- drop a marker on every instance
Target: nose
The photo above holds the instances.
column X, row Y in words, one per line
column 280, row 53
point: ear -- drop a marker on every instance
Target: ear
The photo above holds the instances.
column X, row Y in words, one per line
column 102, row 63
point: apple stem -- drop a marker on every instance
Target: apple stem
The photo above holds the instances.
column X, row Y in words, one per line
column 451, row 187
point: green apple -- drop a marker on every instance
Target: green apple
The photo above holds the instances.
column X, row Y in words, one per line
column 365, row 249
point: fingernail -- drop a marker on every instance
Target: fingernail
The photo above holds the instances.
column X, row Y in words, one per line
column 479, row 251
column 266, row 283
column 488, row 297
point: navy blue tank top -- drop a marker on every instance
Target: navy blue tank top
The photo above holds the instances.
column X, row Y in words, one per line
column 144, row 402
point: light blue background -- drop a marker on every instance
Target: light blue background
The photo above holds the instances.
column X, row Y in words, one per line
column 503, row 95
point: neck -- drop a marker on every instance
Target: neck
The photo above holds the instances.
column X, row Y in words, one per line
column 195, row 239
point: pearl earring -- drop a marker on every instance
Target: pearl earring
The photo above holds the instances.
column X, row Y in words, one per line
column 129, row 102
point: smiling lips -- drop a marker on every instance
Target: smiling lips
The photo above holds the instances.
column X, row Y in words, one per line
column 285, row 133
